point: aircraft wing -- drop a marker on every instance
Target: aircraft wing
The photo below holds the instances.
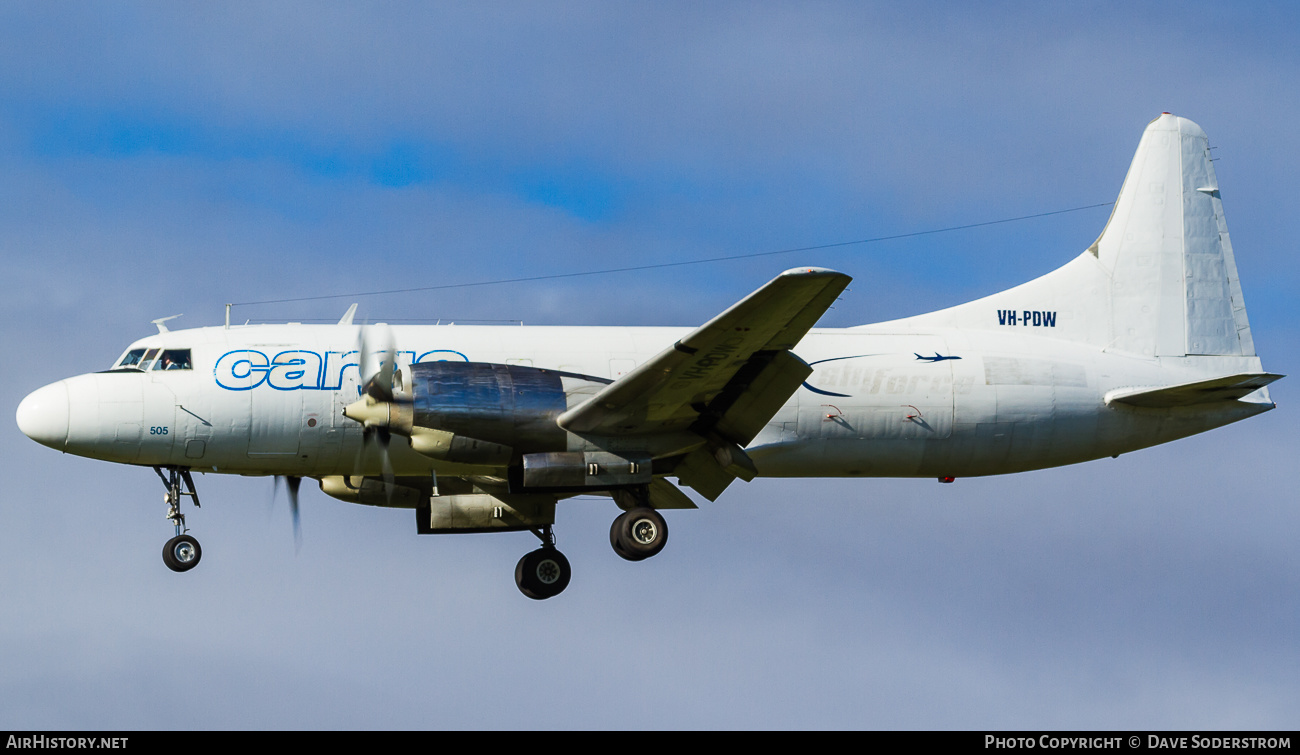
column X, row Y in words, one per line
column 1227, row 388
column 726, row 378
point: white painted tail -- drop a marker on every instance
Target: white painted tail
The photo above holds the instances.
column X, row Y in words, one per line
column 1159, row 281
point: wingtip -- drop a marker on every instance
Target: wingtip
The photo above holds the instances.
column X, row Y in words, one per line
column 811, row 271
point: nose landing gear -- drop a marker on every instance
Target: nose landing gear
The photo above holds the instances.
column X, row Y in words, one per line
column 182, row 552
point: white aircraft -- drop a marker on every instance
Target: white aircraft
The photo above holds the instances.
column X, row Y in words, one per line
column 1140, row 340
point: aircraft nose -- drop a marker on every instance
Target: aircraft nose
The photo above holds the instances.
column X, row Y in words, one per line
column 43, row 415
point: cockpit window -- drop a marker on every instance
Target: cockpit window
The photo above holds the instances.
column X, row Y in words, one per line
column 174, row 359
column 155, row 359
column 147, row 359
column 130, row 359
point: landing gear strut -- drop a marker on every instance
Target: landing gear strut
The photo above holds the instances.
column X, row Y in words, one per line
column 545, row 572
column 182, row 552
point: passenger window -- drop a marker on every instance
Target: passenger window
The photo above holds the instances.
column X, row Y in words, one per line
column 174, row 359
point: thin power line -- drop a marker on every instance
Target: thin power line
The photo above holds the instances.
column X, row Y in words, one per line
column 660, row 265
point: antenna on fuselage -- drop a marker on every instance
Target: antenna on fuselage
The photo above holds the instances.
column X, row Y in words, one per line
column 346, row 319
column 159, row 322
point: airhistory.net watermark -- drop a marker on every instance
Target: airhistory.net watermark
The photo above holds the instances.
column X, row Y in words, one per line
column 42, row 742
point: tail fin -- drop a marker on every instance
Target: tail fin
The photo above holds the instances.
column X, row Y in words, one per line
column 1161, row 279
column 1166, row 248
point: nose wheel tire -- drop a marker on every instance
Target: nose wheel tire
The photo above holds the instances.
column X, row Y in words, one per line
column 182, row 553
column 638, row 534
column 543, row 574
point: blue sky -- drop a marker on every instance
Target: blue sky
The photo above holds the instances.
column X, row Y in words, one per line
column 166, row 158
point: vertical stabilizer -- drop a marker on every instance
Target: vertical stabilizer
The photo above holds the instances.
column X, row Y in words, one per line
column 1174, row 285
column 1160, row 281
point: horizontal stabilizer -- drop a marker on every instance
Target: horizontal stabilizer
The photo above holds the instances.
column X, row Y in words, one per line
column 1227, row 388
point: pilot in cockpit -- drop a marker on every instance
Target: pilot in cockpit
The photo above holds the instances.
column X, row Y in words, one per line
column 174, row 359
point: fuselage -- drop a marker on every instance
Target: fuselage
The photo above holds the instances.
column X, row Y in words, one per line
column 1141, row 339
column 883, row 400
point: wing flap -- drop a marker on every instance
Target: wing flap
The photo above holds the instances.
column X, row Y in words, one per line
column 1229, row 388
column 665, row 495
column 744, row 409
column 700, row 470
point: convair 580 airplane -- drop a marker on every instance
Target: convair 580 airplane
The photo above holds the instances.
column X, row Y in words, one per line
column 1140, row 340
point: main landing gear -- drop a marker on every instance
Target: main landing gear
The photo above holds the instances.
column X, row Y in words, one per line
column 182, row 552
column 545, row 572
column 638, row 534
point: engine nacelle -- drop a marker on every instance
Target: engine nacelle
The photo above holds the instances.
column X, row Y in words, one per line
column 482, row 413
column 479, row 512
column 579, row 470
column 371, row 492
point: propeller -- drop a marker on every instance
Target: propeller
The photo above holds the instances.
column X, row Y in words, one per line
column 292, row 483
column 374, row 409
column 380, row 385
